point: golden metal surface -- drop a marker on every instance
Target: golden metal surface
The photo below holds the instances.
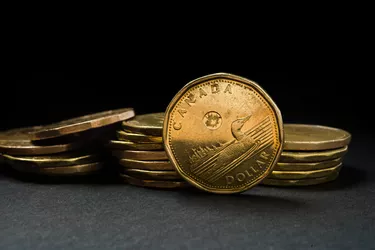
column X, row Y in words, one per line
column 147, row 165
column 301, row 182
column 223, row 133
column 313, row 156
column 138, row 138
column 306, row 166
column 17, row 142
column 125, row 145
column 314, row 137
column 153, row 175
column 154, row 183
column 54, row 160
column 149, row 124
column 82, row 123
column 294, row 175
column 140, row 155
column 67, row 170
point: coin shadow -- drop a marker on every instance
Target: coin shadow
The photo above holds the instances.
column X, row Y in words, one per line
column 242, row 202
column 349, row 177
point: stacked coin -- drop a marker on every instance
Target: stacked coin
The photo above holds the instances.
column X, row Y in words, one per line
column 64, row 148
column 312, row 155
column 140, row 152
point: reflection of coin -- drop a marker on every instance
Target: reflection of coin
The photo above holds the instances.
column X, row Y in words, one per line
column 306, row 166
column 140, row 155
column 125, row 145
column 294, row 175
column 54, row 160
column 17, row 142
column 149, row 124
column 82, row 123
column 312, row 156
column 147, row 165
column 237, row 144
column 314, row 137
column 138, row 138
column 301, row 182
column 154, row 183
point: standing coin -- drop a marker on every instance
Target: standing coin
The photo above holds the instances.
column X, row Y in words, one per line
column 314, row 137
column 149, row 124
column 82, row 123
column 223, row 133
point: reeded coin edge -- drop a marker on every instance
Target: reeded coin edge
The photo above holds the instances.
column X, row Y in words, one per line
column 190, row 178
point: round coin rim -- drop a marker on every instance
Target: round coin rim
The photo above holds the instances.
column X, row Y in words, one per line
column 247, row 82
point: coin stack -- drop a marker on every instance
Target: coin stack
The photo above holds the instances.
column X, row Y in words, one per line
column 65, row 148
column 312, row 155
column 140, row 151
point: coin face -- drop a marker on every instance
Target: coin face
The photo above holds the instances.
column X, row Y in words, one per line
column 314, row 137
column 82, row 123
column 149, row 124
column 223, row 133
column 17, row 142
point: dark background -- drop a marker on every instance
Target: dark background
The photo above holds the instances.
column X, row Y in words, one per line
column 93, row 214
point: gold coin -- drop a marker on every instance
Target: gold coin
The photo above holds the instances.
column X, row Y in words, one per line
column 147, row 165
column 67, row 170
column 82, row 123
column 138, row 138
column 313, row 156
column 314, row 137
column 301, row 182
column 154, row 175
column 17, row 142
column 223, row 133
column 140, row 155
column 125, row 145
column 154, row 183
column 306, row 166
column 55, row 160
column 149, row 124
column 294, row 175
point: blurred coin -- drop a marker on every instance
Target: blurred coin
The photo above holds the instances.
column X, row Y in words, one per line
column 149, row 124
column 17, row 142
column 67, row 170
column 147, row 165
column 153, row 175
column 294, row 175
column 154, row 183
column 140, row 155
column 314, row 137
column 313, row 156
column 306, row 166
column 138, row 138
column 82, row 123
column 301, row 182
column 125, row 145
column 55, row 160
